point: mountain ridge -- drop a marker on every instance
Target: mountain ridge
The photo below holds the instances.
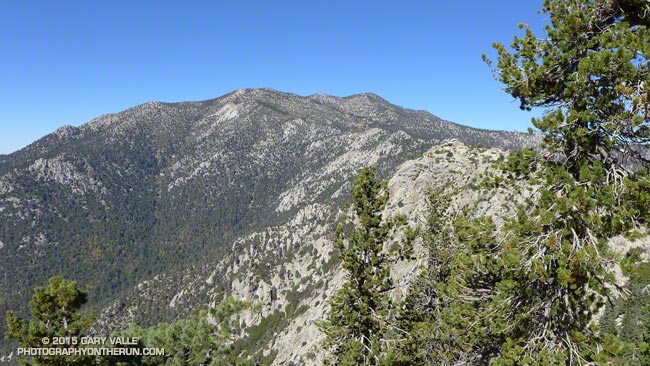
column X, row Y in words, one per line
column 161, row 187
column 248, row 93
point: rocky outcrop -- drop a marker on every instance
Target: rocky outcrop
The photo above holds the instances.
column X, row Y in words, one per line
column 166, row 206
column 291, row 268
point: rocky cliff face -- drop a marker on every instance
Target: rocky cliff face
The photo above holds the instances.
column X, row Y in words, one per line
column 289, row 269
column 165, row 207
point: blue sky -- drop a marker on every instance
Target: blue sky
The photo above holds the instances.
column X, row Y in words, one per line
column 65, row 62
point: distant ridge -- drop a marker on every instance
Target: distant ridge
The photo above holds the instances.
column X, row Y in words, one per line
column 161, row 188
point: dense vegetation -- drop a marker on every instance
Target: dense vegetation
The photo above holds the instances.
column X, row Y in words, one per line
column 528, row 292
column 626, row 322
column 535, row 289
column 57, row 321
column 164, row 189
column 54, row 316
column 355, row 323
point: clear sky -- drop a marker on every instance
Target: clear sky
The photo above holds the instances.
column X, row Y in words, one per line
column 66, row 62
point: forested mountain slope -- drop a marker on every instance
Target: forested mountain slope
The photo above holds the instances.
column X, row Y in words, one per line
column 154, row 193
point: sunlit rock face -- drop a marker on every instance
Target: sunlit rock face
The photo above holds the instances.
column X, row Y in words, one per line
column 165, row 207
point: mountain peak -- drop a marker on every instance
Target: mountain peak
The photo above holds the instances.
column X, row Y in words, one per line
column 243, row 186
column 370, row 97
column 255, row 92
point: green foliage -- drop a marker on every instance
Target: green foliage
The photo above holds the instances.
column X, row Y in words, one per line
column 54, row 315
column 523, row 294
column 491, row 180
column 259, row 334
column 129, row 207
column 547, row 274
column 626, row 323
column 527, row 292
column 590, row 68
column 356, row 323
column 202, row 339
column 521, row 164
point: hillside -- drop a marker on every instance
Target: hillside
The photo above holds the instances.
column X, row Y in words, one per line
column 166, row 206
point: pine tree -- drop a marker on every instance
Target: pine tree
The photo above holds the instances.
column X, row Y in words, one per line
column 591, row 72
column 204, row 338
column 356, row 323
column 54, row 314
column 423, row 335
column 626, row 324
column 527, row 292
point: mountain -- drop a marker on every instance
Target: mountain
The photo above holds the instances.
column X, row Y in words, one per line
column 165, row 207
